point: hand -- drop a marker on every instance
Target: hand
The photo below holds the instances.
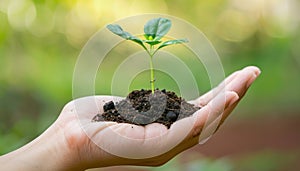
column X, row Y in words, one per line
column 79, row 144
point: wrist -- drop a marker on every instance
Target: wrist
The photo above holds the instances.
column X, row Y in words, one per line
column 47, row 152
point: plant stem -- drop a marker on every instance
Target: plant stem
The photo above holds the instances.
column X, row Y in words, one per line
column 152, row 80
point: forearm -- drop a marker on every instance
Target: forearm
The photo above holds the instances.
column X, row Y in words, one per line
column 46, row 152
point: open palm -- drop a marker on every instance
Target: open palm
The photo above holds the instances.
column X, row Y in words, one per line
column 98, row 144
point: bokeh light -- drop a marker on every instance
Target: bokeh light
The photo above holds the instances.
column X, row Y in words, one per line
column 236, row 26
column 21, row 13
column 40, row 41
column 281, row 18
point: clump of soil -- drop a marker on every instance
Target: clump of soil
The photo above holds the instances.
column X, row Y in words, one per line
column 141, row 107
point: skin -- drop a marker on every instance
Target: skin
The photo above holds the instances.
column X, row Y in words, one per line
column 70, row 143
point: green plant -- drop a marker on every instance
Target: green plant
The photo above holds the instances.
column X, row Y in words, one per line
column 155, row 29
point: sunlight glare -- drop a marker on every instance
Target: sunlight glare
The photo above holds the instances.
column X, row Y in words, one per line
column 21, row 13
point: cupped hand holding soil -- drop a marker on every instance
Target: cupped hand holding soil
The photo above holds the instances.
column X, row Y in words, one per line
column 111, row 143
column 73, row 142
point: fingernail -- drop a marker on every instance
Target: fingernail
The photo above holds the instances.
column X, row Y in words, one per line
column 233, row 99
column 251, row 80
column 255, row 69
column 257, row 72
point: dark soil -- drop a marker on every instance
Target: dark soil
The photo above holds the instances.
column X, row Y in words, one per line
column 141, row 107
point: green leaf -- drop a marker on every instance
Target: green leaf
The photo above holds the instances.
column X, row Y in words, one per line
column 172, row 42
column 116, row 29
column 152, row 42
column 157, row 28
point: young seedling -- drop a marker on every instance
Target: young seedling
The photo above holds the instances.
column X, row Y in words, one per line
column 155, row 29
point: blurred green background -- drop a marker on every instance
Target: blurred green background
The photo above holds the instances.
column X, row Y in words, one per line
column 40, row 41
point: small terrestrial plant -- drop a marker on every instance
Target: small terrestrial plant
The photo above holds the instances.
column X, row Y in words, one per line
column 154, row 30
column 142, row 107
